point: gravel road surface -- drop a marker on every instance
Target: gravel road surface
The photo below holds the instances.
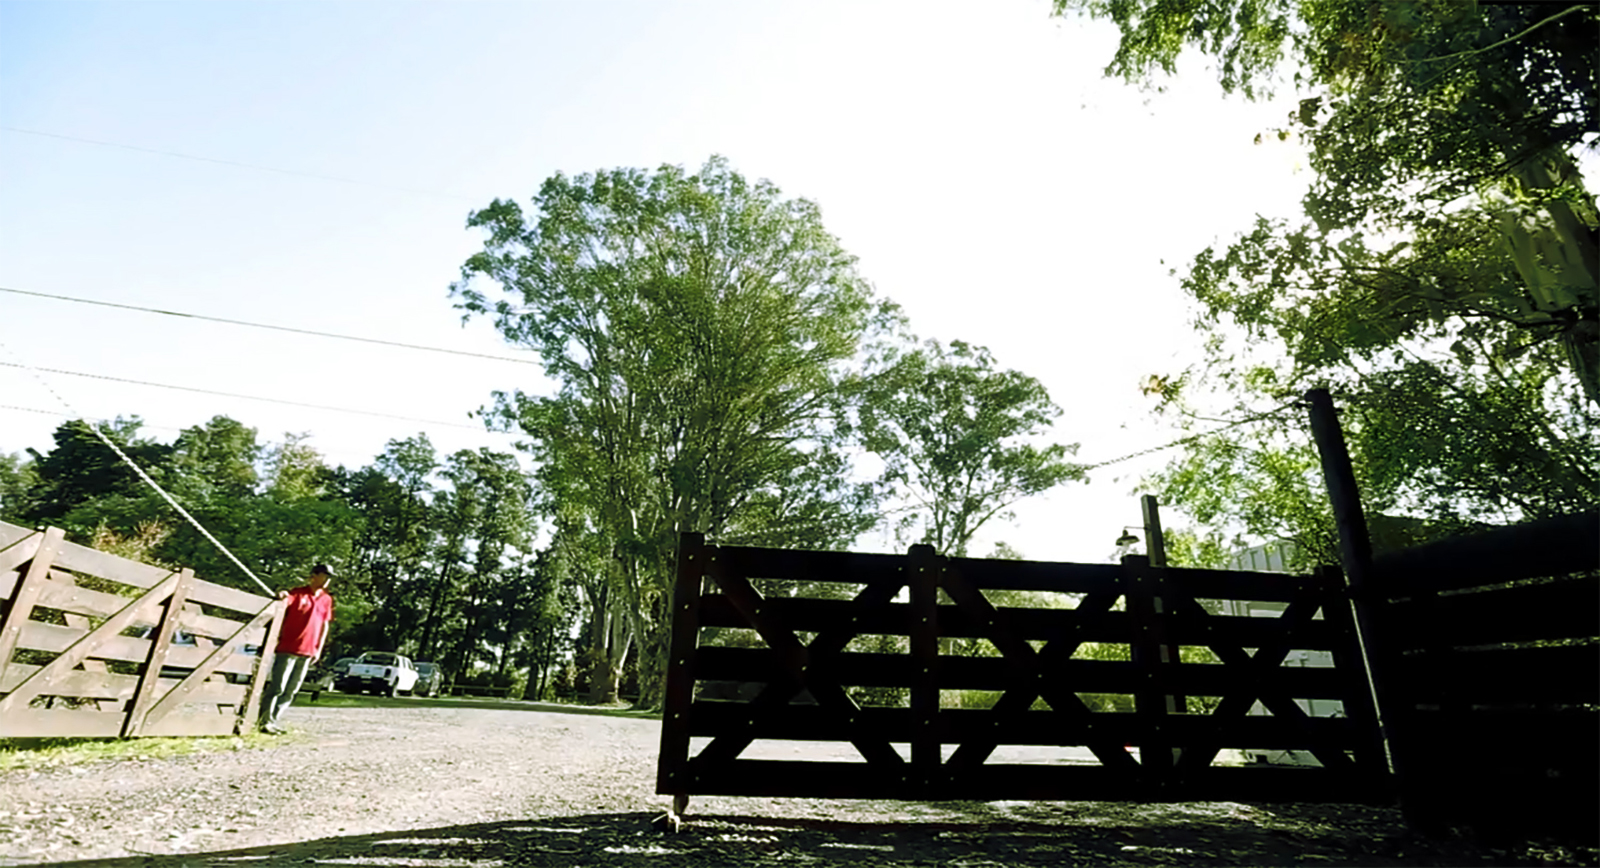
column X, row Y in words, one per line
column 442, row 784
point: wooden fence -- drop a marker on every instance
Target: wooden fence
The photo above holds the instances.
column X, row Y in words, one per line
column 802, row 661
column 1490, row 675
column 96, row 645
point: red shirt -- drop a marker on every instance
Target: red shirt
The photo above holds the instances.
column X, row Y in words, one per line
column 306, row 611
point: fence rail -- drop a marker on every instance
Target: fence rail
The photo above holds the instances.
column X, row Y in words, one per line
column 96, row 645
column 1493, row 659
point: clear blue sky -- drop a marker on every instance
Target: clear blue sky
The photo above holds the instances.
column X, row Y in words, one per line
column 971, row 155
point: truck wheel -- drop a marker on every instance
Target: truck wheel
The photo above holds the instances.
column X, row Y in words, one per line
column 393, row 691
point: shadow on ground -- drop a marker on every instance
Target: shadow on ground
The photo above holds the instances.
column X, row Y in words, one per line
column 1071, row 837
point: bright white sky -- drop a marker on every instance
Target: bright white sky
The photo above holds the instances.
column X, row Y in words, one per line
column 970, row 154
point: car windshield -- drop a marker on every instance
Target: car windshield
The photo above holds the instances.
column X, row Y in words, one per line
column 425, row 669
column 380, row 659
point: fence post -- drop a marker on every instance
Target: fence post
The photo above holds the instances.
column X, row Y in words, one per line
column 144, row 696
column 1355, row 555
column 685, row 621
column 922, row 580
column 1156, row 547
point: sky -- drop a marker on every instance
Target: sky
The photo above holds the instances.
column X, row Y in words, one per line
column 973, row 157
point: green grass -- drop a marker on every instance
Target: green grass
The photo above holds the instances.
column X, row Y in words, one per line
column 29, row 753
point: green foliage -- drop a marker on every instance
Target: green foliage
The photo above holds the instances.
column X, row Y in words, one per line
column 1442, row 282
column 696, row 326
column 952, row 430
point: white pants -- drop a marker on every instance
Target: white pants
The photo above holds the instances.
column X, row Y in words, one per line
column 288, row 673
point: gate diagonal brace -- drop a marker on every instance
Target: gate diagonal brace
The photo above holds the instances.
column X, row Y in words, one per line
column 1256, row 671
column 794, row 662
column 1031, row 680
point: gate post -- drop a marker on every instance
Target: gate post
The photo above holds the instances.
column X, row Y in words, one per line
column 1355, row 555
column 923, row 568
column 1153, row 694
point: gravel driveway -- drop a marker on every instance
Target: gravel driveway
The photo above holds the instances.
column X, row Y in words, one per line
column 479, row 784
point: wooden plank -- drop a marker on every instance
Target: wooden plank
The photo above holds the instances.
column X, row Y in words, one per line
column 923, row 572
column 1569, row 674
column 13, row 533
column 816, row 615
column 83, row 646
column 57, row 638
column 864, row 669
column 1153, row 691
column 1046, row 782
column 808, row 566
column 1234, row 584
column 1371, row 754
column 681, row 663
column 63, row 594
column 20, row 605
column 79, row 622
column 109, row 686
column 1565, row 736
column 184, row 692
column 59, row 723
column 263, row 670
column 15, row 552
column 1547, row 547
column 957, row 726
column 1559, row 610
column 1037, row 575
column 144, row 698
column 82, row 559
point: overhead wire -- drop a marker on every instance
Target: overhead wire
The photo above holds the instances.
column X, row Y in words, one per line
column 248, row 324
column 1190, row 438
column 237, row 164
column 139, row 471
column 223, row 394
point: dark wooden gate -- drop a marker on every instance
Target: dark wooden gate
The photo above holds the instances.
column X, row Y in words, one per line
column 802, row 659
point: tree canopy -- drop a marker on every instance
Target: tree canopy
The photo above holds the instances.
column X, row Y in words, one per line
column 1442, row 279
column 696, row 326
column 954, row 432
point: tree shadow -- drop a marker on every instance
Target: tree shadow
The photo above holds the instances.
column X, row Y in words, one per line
column 954, row 833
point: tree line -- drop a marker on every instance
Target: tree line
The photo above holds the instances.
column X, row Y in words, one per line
column 720, row 367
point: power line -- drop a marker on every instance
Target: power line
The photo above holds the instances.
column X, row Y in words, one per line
column 246, row 397
column 257, row 325
column 345, row 453
column 238, row 165
column 139, row 471
column 1189, row 439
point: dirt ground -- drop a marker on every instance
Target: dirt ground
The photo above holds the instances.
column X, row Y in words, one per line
column 484, row 784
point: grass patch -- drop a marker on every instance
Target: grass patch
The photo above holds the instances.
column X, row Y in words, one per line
column 29, row 753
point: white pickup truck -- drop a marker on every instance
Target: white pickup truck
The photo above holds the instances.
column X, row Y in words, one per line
column 378, row 672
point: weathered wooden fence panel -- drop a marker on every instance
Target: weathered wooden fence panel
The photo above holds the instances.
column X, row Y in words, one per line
column 87, row 644
column 803, row 652
column 1493, row 664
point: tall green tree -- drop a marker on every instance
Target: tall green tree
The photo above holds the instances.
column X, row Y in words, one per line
column 696, row 326
column 1432, row 124
column 1441, row 282
column 957, row 434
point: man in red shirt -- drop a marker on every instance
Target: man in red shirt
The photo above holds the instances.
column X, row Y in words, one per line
column 307, row 611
